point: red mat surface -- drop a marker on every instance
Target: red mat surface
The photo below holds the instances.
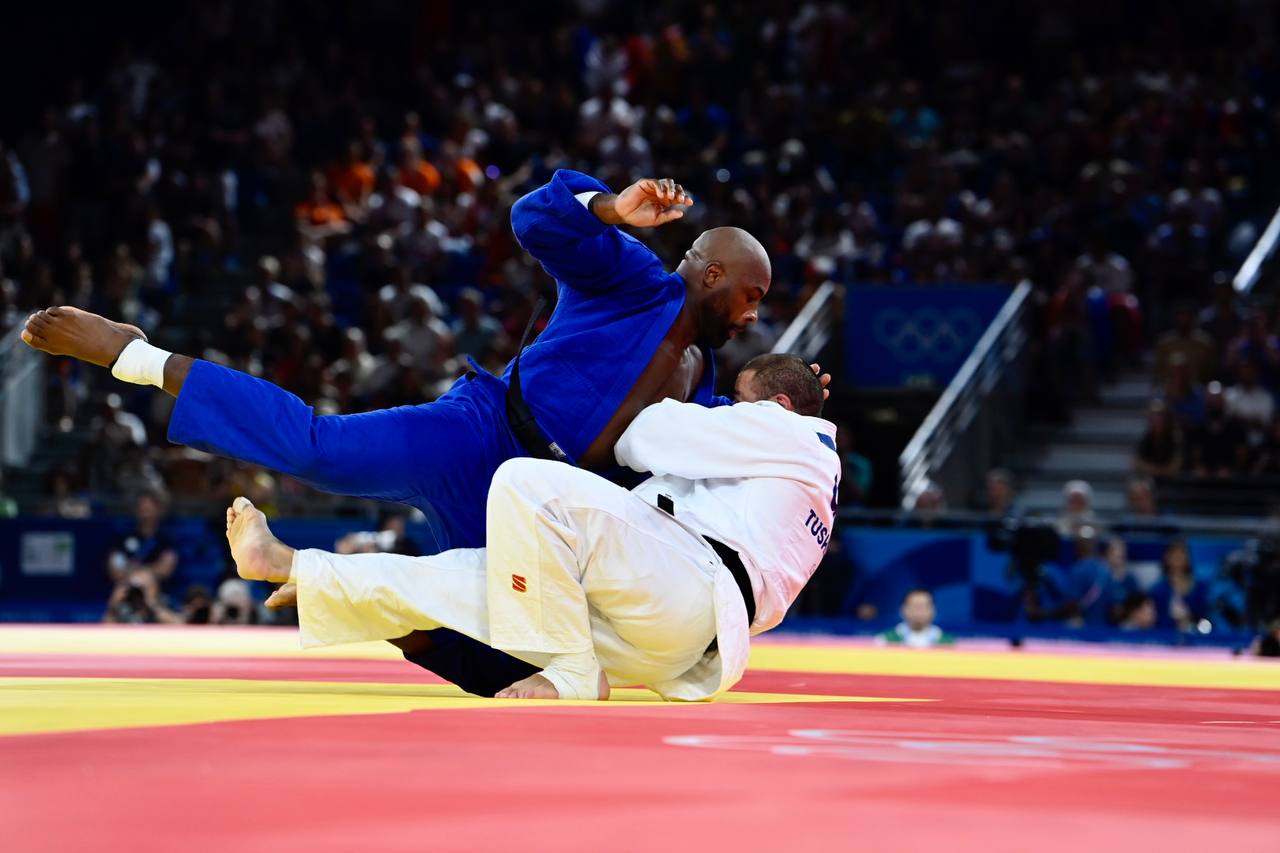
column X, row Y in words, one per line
column 985, row 766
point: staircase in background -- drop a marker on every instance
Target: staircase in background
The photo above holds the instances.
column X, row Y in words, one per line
column 1097, row 446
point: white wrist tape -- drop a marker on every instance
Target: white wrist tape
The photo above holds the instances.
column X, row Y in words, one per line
column 140, row 363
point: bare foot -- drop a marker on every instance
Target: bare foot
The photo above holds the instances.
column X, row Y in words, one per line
column 69, row 331
column 285, row 596
column 537, row 686
column 259, row 556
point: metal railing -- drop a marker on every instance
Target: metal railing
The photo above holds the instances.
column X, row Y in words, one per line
column 1247, row 276
column 21, row 399
column 812, row 328
column 978, row 413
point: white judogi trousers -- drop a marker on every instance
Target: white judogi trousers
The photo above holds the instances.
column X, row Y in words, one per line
column 575, row 565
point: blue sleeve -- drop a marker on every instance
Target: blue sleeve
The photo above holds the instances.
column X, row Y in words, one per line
column 572, row 244
column 717, row 400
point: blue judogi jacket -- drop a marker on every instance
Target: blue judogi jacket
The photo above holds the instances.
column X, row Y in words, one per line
column 616, row 304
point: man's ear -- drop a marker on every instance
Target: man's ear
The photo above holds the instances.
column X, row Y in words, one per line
column 712, row 274
column 784, row 401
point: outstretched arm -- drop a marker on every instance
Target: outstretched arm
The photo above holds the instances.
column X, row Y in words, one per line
column 568, row 226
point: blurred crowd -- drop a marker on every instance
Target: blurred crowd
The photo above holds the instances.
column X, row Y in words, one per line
column 1217, row 373
column 323, row 199
column 319, row 193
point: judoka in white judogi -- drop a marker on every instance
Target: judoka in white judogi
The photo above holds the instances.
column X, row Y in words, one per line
column 580, row 575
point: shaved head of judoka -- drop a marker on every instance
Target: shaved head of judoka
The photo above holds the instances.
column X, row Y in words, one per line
column 785, row 379
column 728, row 273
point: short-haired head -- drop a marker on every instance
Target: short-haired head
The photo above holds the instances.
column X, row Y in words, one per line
column 917, row 609
column 728, row 272
column 785, row 379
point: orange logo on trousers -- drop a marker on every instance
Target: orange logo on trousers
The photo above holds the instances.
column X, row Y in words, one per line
column 518, row 583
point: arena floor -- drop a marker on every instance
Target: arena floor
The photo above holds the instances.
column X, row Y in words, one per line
column 222, row 739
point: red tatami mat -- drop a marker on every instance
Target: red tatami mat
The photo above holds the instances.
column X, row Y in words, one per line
column 984, row 765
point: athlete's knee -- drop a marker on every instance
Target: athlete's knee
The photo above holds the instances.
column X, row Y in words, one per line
column 525, row 474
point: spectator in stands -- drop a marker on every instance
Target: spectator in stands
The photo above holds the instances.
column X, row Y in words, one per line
column 318, row 214
column 1181, row 599
column 197, row 606
column 916, row 630
column 1140, row 497
column 912, row 120
column 1250, row 404
column 352, row 180
column 1160, row 449
column 929, row 504
column 1222, row 319
column 1109, row 270
column 1189, row 345
column 1218, row 448
column 63, row 497
column 422, row 335
column 475, row 333
column 136, row 599
column 416, row 173
column 1002, row 495
column 234, row 604
column 392, row 204
column 391, row 537
column 1077, row 508
column 1137, row 613
column 1184, row 398
column 1100, row 584
column 1258, row 346
column 146, row 549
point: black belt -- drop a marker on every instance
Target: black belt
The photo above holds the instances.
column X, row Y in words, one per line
column 728, row 556
column 524, row 426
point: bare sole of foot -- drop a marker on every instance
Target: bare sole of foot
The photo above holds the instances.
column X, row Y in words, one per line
column 64, row 330
column 259, row 555
column 285, row 596
column 537, row 686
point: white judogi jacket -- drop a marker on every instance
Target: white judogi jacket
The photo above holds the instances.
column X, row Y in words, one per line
column 758, row 478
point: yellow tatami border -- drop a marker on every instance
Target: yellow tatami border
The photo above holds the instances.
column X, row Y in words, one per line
column 851, row 659
column 1014, row 665
column 50, row 705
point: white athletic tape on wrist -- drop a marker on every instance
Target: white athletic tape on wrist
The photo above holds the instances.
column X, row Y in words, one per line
column 140, row 363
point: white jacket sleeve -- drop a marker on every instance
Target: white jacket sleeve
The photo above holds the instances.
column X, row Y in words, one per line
column 697, row 443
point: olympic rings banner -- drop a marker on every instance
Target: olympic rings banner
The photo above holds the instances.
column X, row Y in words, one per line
column 915, row 336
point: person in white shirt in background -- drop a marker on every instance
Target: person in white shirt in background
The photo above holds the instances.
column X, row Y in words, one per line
column 597, row 585
column 916, row 628
column 1250, row 403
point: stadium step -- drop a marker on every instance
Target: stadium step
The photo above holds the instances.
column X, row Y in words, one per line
column 1097, row 446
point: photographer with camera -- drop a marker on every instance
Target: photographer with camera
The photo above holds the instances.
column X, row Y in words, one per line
column 136, row 601
column 139, row 563
column 1044, row 593
column 1247, row 593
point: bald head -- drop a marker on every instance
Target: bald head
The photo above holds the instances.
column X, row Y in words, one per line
column 727, row 272
column 734, row 248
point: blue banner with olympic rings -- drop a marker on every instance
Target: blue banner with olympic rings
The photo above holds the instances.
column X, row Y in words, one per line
column 915, row 336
